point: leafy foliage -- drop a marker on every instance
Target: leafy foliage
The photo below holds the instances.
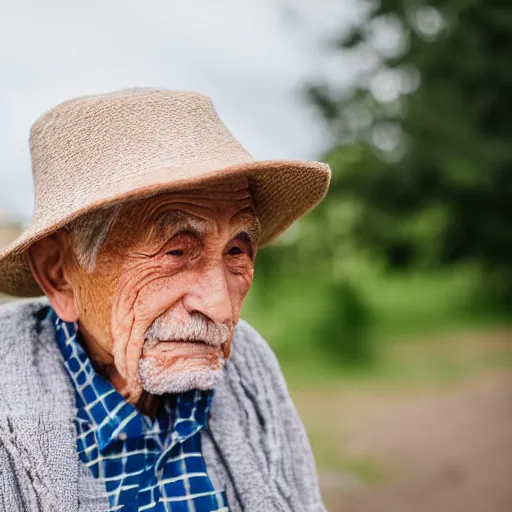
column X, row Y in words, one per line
column 424, row 151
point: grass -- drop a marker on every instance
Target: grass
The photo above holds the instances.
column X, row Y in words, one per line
column 330, row 458
column 427, row 331
column 404, row 309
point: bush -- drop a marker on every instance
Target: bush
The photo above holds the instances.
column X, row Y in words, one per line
column 343, row 326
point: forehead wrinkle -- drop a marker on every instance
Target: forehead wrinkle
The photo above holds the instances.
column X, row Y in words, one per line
column 150, row 210
column 161, row 217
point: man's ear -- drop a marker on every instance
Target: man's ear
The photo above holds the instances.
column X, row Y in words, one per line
column 46, row 260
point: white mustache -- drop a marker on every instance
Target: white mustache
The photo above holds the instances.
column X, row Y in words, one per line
column 199, row 328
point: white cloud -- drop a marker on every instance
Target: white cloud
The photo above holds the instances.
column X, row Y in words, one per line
column 240, row 52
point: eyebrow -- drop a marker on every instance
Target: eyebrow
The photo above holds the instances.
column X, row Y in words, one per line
column 251, row 228
column 169, row 223
column 165, row 225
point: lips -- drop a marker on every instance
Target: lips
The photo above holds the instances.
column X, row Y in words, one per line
column 179, row 348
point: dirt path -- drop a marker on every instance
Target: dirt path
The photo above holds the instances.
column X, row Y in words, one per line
column 445, row 452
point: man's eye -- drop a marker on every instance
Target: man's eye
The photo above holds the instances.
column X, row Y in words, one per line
column 235, row 251
column 175, row 252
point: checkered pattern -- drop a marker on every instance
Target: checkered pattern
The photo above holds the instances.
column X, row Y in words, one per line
column 145, row 465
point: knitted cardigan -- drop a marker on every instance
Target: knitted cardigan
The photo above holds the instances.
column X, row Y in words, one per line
column 255, row 447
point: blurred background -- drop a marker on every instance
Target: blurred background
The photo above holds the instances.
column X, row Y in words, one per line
column 388, row 306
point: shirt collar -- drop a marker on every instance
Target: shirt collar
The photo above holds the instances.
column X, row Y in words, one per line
column 114, row 419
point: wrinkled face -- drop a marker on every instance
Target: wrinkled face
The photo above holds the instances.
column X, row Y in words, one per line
column 167, row 288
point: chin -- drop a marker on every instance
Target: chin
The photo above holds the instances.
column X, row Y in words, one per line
column 177, row 376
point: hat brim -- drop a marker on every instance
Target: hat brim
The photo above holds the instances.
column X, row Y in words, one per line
column 282, row 191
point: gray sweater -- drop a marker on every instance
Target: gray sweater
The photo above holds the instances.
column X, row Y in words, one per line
column 256, row 447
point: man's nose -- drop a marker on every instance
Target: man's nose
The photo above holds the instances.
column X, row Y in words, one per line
column 209, row 295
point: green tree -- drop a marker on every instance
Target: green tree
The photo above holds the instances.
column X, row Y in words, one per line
column 423, row 148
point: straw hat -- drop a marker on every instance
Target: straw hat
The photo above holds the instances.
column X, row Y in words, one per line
column 98, row 150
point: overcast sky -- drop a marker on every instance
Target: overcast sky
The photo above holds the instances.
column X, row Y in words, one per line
column 249, row 55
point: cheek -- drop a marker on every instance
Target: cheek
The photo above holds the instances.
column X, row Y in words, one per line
column 93, row 294
column 158, row 295
column 239, row 286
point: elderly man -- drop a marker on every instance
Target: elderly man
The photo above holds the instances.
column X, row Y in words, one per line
column 133, row 385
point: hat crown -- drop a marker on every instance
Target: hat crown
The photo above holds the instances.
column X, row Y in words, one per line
column 89, row 147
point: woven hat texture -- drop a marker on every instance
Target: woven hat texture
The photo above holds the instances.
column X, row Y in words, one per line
column 99, row 150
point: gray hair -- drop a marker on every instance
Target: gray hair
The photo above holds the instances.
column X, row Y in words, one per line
column 89, row 232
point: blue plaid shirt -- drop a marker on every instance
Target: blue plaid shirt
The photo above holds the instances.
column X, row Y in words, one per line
column 145, row 465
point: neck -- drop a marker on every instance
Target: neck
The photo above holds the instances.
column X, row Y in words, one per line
column 147, row 404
